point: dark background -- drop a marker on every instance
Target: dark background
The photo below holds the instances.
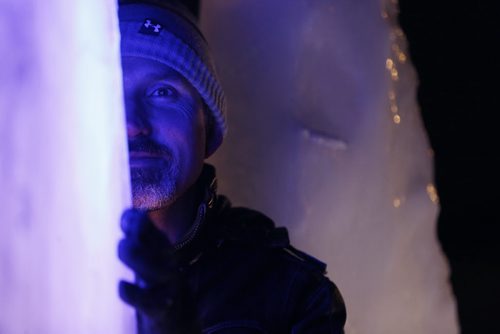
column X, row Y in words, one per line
column 452, row 45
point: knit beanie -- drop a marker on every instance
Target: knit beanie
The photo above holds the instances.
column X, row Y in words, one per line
column 167, row 32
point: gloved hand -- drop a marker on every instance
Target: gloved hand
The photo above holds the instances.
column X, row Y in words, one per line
column 160, row 294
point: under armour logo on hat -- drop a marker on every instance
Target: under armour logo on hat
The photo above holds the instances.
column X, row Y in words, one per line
column 150, row 27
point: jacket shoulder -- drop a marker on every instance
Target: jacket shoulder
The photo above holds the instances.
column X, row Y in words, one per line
column 304, row 259
column 313, row 302
column 251, row 227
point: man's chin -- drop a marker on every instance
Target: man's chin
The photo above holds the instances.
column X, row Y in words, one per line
column 151, row 199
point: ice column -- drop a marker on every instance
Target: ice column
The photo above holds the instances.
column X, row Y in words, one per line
column 63, row 168
column 325, row 136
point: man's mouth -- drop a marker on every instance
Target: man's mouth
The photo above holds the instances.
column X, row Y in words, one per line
column 145, row 153
column 138, row 159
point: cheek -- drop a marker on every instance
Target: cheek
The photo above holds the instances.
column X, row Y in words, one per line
column 199, row 138
column 194, row 125
column 186, row 135
column 192, row 150
column 201, row 129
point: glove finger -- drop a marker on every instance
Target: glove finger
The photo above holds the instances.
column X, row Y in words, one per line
column 137, row 226
column 146, row 300
column 153, row 265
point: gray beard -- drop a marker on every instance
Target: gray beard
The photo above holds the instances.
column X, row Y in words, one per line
column 153, row 188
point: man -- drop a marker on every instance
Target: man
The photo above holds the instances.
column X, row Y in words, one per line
column 201, row 266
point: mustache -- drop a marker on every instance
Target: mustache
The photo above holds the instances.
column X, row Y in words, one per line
column 149, row 146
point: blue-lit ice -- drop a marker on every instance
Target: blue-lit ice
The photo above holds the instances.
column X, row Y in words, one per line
column 63, row 168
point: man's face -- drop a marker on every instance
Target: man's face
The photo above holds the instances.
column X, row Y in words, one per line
column 166, row 132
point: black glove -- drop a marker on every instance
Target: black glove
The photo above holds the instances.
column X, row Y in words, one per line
column 160, row 295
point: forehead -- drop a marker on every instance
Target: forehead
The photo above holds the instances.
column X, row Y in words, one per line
column 138, row 69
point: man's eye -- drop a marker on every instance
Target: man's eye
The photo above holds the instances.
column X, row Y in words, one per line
column 164, row 92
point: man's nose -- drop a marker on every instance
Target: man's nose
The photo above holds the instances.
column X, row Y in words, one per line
column 137, row 121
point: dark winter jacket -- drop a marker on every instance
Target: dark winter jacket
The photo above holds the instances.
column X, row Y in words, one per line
column 245, row 277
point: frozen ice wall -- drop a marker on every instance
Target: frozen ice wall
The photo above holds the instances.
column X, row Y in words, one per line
column 325, row 136
column 63, row 168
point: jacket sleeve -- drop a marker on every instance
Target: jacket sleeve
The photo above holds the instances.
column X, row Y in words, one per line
column 323, row 310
